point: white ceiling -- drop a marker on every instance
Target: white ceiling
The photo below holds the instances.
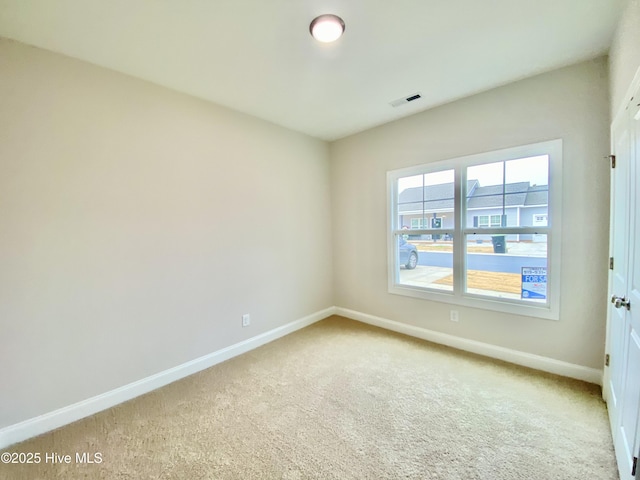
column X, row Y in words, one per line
column 257, row 56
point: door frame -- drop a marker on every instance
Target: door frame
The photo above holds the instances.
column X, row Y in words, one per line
column 633, row 88
column 633, row 92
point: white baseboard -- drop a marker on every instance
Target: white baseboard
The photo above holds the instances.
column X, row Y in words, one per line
column 66, row 415
column 537, row 362
column 63, row 416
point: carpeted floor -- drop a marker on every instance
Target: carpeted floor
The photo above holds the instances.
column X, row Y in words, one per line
column 343, row 400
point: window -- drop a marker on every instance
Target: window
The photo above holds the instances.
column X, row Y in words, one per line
column 484, row 228
column 418, row 223
column 487, row 221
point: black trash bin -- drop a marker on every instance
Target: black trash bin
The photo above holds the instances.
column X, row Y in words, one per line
column 499, row 244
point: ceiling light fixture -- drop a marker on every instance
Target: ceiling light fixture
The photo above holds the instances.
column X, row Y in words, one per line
column 327, row 28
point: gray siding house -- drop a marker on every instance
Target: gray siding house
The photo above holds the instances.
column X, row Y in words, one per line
column 510, row 205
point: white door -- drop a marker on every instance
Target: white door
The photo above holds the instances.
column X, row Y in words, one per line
column 622, row 380
column 632, row 385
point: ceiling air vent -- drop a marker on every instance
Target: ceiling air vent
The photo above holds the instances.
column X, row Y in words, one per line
column 404, row 100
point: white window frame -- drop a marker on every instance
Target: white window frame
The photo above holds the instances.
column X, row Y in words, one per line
column 550, row 310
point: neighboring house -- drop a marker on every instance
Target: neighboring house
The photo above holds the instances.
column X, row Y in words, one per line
column 517, row 204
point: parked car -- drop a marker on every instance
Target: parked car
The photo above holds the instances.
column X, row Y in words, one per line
column 407, row 254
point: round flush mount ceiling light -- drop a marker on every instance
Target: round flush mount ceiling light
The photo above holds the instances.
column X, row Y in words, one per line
column 327, row 28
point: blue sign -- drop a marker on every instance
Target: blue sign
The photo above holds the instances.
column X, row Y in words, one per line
column 534, row 283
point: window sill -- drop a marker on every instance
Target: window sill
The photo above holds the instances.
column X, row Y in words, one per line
column 546, row 312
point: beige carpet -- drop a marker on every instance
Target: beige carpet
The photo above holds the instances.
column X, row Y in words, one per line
column 342, row 400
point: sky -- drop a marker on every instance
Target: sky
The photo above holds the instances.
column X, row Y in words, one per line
column 532, row 169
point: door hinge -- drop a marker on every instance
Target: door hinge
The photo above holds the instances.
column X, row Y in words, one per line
column 610, row 263
column 635, row 464
column 606, row 360
column 613, row 160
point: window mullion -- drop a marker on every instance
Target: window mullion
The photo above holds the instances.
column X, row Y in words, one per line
column 506, row 230
column 425, row 231
column 460, row 216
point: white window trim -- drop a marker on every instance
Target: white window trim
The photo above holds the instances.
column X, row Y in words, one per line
column 551, row 310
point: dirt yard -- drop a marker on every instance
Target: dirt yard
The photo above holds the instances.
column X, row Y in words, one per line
column 498, row 282
column 445, row 247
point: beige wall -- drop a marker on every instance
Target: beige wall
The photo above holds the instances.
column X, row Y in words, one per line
column 137, row 225
column 624, row 56
column 572, row 104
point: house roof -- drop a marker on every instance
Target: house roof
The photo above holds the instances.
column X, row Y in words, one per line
column 492, row 196
column 537, row 195
column 434, row 197
column 441, row 197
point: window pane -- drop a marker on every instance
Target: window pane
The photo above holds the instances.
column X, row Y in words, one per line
column 496, row 221
column 426, row 201
column 507, row 266
column 432, row 266
column 531, row 169
column 507, row 194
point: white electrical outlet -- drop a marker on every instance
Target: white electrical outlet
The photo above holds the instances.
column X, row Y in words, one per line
column 246, row 320
column 454, row 316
